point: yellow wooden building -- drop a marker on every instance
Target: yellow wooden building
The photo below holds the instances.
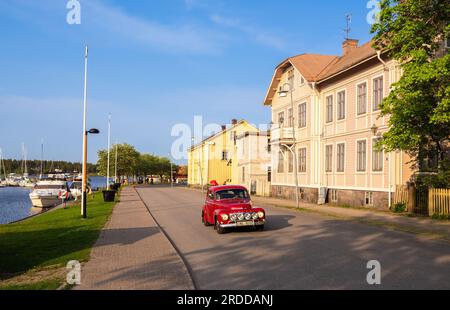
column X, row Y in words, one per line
column 215, row 158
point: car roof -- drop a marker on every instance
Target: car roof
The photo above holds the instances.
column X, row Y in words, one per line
column 225, row 187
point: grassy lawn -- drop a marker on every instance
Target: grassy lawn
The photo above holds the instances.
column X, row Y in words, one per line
column 34, row 253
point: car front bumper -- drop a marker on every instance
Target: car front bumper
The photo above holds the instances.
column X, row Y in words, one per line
column 243, row 224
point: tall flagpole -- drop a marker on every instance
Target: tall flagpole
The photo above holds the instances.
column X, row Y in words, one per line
column 84, row 180
column 109, row 151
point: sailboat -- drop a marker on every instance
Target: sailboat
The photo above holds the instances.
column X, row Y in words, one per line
column 25, row 182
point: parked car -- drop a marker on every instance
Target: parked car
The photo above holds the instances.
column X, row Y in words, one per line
column 230, row 206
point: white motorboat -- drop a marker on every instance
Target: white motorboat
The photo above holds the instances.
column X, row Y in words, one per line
column 76, row 188
column 48, row 194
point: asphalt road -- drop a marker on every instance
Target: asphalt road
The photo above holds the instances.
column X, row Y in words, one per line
column 296, row 251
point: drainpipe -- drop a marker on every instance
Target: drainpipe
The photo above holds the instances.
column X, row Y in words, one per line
column 389, row 156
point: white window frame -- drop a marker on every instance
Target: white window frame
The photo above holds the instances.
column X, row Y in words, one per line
column 368, row 198
column 372, row 157
column 331, row 160
column 337, row 157
column 357, row 98
column 326, row 109
column 357, row 156
column 280, row 156
column 299, row 159
column 333, row 195
column 300, row 122
column 373, row 92
column 290, row 162
column 345, row 105
column 278, row 118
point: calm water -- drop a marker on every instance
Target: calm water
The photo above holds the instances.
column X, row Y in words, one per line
column 15, row 203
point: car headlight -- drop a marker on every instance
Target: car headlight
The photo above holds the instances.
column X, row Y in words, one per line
column 248, row 216
column 260, row 214
column 255, row 216
column 233, row 217
column 241, row 217
column 224, row 217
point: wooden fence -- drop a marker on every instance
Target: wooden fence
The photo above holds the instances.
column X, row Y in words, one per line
column 401, row 194
column 439, row 201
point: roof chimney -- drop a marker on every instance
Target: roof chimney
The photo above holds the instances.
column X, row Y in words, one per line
column 234, row 121
column 349, row 45
column 224, row 127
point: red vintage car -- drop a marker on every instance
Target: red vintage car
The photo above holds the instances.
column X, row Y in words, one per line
column 230, row 206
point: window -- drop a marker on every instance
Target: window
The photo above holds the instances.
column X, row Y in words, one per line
column 302, row 81
column 340, row 157
column 341, row 105
column 234, row 193
column 269, row 146
column 361, row 156
column 281, row 119
column 290, row 117
column 243, row 174
column 329, row 158
column 291, row 78
column 210, row 195
column 302, row 160
column 377, row 157
column 377, row 92
column 224, row 155
column 333, row 195
column 302, row 115
column 362, row 98
column 269, row 174
column 369, row 199
column 280, row 162
column 290, row 162
column 329, row 109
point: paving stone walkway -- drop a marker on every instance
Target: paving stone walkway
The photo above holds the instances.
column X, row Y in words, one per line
column 133, row 254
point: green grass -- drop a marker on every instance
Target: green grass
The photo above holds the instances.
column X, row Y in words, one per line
column 51, row 284
column 52, row 239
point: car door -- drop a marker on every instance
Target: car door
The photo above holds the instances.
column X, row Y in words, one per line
column 209, row 206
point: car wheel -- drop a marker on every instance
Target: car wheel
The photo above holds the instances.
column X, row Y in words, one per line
column 220, row 230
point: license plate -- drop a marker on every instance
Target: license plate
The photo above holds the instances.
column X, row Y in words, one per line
column 249, row 223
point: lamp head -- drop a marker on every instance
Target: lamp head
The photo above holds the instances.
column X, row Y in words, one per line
column 94, row 131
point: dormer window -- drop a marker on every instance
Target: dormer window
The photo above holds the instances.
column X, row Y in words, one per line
column 291, row 77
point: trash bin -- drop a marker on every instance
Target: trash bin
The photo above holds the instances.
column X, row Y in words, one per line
column 109, row 196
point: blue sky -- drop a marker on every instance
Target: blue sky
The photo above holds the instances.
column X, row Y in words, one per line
column 153, row 64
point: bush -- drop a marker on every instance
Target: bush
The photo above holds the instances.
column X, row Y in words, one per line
column 399, row 207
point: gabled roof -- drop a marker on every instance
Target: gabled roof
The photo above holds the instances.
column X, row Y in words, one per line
column 354, row 57
column 317, row 68
column 309, row 66
column 211, row 137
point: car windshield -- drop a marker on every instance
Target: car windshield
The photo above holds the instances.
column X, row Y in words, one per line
column 234, row 193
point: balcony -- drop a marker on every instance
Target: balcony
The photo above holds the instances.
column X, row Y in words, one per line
column 282, row 135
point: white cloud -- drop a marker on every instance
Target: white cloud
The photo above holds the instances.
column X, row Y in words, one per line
column 258, row 35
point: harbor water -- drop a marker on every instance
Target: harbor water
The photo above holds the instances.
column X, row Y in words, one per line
column 15, row 203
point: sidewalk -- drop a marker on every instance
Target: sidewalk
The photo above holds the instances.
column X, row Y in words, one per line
column 422, row 226
column 133, row 254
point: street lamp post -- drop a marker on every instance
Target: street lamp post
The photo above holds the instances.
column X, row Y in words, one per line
column 292, row 149
column 92, row 131
column 109, row 152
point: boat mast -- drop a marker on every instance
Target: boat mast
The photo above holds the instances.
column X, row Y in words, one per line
column 42, row 159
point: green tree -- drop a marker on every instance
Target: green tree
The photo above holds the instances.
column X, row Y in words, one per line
column 418, row 106
column 127, row 160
